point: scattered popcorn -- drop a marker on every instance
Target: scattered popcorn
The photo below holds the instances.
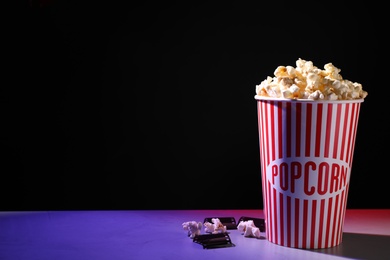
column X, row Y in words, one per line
column 194, row 228
column 215, row 227
column 249, row 229
column 306, row 81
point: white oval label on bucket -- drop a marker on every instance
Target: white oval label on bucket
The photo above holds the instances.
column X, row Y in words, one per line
column 308, row 178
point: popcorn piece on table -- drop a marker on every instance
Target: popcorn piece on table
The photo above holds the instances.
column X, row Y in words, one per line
column 193, row 228
column 249, row 229
column 215, row 227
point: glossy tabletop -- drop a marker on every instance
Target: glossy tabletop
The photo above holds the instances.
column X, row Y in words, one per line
column 159, row 234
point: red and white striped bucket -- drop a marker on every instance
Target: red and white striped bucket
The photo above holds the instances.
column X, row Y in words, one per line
column 306, row 152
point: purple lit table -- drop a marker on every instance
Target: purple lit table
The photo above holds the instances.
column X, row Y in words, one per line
column 158, row 234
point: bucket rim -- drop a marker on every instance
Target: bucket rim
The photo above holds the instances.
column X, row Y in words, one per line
column 263, row 98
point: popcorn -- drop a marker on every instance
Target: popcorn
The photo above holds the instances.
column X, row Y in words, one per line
column 193, row 228
column 249, row 229
column 215, row 227
column 306, row 81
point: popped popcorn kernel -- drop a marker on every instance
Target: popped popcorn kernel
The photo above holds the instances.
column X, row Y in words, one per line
column 215, row 227
column 248, row 229
column 193, row 228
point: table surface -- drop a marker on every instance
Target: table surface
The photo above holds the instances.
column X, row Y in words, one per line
column 159, row 234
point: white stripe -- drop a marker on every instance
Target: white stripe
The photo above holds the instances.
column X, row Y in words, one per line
column 354, row 119
column 333, row 133
column 293, row 130
column 348, row 132
column 284, row 133
column 323, row 227
column 293, row 227
column 308, row 228
column 341, row 139
column 268, row 137
column 303, row 130
column 331, row 208
column 313, row 129
column 317, row 225
column 276, row 131
column 336, row 219
column 278, row 217
column 285, row 220
column 325, row 128
column 300, row 230
column 273, row 222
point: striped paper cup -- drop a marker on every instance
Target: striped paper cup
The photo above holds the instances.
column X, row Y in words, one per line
column 306, row 152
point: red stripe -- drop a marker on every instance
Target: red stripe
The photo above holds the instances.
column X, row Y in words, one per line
column 260, row 111
column 298, row 130
column 327, row 132
column 321, row 224
column 289, row 221
column 308, row 129
column 281, row 219
column 265, row 199
column 344, row 131
column 270, row 220
column 297, row 217
column 262, row 154
column 304, row 230
column 261, row 128
column 330, row 210
column 336, row 212
column 275, row 220
column 272, row 108
column 266, row 130
column 313, row 223
column 341, row 214
column 350, row 135
column 280, row 129
column 288, row 130
column 317, row 131
column 337, row 130
column 260, row 134
column 356, row 116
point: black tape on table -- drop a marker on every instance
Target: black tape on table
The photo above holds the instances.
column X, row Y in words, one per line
column 217, row 240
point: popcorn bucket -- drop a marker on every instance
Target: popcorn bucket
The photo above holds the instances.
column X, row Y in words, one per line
column 306, row 152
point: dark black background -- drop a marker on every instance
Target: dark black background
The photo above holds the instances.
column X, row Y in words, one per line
column 123, row 105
